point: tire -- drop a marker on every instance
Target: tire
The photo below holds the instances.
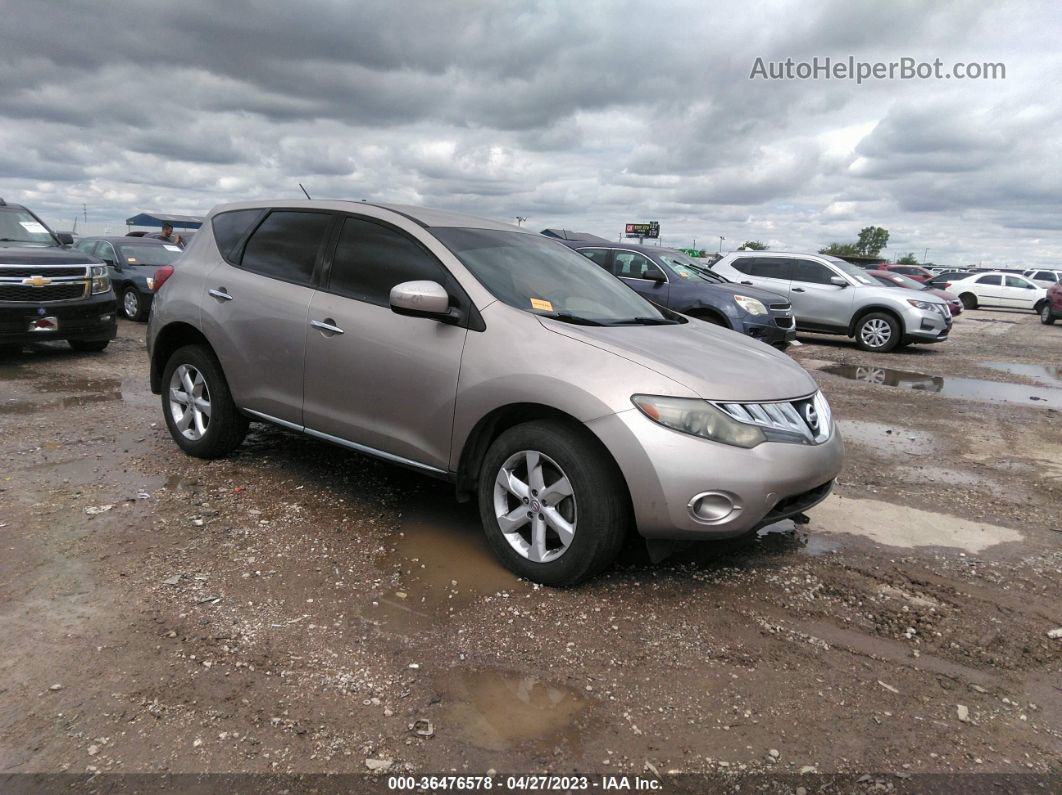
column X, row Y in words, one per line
column 878, row 332
column 86, row 346
column 223, row 427
column 10, row 350
column 969, row 301
column 1046, row 316
column 133, row 305
column 597, row 511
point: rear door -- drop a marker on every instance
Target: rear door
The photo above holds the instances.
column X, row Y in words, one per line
column 816, row 300
column 374, row 378
column 634, row 269
column 769, row 273
column 989, row 290
column 255, row 305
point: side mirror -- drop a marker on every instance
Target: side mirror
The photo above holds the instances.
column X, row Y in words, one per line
column 654, row 274
column 423, row 299
column 65, row 238
column 838, row 281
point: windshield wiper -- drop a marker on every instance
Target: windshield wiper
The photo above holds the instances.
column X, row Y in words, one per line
column 644, row 321
column 575, row 320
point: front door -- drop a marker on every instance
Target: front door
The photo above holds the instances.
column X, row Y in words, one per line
column 381, row 380
column 636, row 271
column 1019, row 292
column 816, row 300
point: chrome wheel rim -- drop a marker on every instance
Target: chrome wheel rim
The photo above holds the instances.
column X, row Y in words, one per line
column 1045, row 312
column 189, row 402
column 131, row 304
column 876, row 332
column 535, row 507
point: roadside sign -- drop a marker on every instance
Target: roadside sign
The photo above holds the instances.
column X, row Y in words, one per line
column 651, row 230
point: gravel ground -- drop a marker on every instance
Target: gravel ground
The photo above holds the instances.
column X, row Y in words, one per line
column 299, row 608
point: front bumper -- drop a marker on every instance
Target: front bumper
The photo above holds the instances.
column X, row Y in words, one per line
column 769, row 329
column 665, row 470
column 926, row 325
column 88, row 319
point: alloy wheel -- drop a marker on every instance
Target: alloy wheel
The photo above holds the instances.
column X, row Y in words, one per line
column 189, row 402
column 131, row 304
column 534, row 505
column 875, row 333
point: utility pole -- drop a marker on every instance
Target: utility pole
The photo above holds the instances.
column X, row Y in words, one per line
column 721, row 239
column 520, row 220
column 925, row 256
column 84, row 210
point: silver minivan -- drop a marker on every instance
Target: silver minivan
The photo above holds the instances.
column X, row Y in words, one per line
column 569, row 407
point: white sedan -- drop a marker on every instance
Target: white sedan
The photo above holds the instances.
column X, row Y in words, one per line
column 998, row 289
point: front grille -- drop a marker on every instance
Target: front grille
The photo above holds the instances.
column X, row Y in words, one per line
column 62, row 291
column 783, row 322
column 50, row 271
column 807, row 419
column 782, row 307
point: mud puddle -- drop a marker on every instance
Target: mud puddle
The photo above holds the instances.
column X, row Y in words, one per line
column 906, row 527
column 443, row 561
column 965, row 388
column 1045, row 374
column 499, row 710
column 888, row 440
column 79, row 392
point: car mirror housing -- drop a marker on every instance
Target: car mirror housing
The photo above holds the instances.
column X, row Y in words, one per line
column 654, row 275
column 65, row 238
column 423, row 299
column 838, row 281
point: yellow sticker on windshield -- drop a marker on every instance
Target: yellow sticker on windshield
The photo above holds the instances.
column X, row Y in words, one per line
column 539, row 303
column 131, row 259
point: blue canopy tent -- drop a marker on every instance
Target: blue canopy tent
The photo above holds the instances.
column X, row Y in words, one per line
column 156, row 220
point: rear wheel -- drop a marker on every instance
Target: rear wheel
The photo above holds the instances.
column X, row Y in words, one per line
column 554, row 508
column 89, row 345
column 878, row 332
column 197, row 404
column 1046, row 316
column 969, row 300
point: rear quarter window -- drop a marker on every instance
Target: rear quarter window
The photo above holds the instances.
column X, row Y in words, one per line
column 230, row 229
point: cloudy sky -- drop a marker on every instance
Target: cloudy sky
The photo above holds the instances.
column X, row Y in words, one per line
column 582, row 114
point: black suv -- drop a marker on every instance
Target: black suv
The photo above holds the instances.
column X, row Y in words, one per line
column 49, row 291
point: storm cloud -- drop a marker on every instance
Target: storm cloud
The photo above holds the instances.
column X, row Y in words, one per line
column 583, row 115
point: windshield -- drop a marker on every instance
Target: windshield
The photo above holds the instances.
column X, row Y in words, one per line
column 854, row 271
column 148, row 255
column 547, row 278
column 689, row 268
column 900, row 280
column 21, row 226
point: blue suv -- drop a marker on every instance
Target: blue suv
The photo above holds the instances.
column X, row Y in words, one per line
column 670, row 278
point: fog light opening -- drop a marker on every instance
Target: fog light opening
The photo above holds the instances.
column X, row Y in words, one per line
column 712, row 506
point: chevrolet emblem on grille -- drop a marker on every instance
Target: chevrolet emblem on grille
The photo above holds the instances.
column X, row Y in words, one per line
column 36, row 281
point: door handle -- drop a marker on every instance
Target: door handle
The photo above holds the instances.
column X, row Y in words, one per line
column 220, row 293
column 327, row 325
column 748, row 283
column 798, row 290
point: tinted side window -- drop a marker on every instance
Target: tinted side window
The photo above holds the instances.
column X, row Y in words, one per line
column 596, row 255
column 1046, row 275
column 770, row 268
column 1017, row 281
column 285, row 246
column 229, row 229
column 743, row 264
column 990, row 280
column 372, row 258
column 804, row 270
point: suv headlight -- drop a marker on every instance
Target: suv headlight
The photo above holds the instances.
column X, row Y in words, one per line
column 100, row 282
column 698, row 418
column 750, row 305
column 921, row 304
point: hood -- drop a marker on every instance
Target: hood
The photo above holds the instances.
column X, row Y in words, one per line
column 713, row 362
column 45, row 255
column 763, row 296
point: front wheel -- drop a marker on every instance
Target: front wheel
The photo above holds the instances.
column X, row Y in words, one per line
column 133, row 304
column 878, row 332
column 1046, row 317
column 553, row 505
column 93, row 346
column 969, row 300
column 198, row 406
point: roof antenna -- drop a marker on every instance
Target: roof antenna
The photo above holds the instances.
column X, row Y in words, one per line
column 307, row 195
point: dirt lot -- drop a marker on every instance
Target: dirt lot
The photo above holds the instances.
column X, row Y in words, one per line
column 299, row 608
